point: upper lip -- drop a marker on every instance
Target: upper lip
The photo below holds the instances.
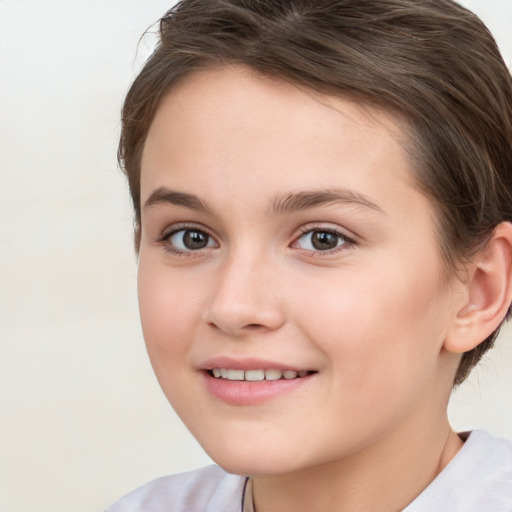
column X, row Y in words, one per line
column 248, row 364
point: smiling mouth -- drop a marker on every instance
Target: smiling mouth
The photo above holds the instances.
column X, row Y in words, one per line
column 257, row 375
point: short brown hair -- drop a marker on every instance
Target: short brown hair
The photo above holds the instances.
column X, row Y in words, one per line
column 432, row 61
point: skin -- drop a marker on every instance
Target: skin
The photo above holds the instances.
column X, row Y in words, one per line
column 368, row 431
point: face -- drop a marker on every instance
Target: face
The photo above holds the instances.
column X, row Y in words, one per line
column 284, row 248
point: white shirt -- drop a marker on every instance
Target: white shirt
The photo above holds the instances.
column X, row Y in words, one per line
column 478, row 479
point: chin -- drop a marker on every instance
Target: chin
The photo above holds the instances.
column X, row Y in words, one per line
column 244, row 467
column 255, row 459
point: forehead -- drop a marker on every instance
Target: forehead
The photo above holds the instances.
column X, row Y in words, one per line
column 215, row 109
column 233, row 92
column 236, row 114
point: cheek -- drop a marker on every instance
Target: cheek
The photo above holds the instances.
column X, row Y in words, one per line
column 169, row 309
column 384, row 327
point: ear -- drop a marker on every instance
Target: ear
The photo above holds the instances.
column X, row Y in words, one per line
column 488, row 293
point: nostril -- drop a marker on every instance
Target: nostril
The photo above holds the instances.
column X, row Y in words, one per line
column 243, row 317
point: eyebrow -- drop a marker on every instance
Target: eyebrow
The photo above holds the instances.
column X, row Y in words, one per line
column 281, row 205
column 298, row 201
column 164, row 195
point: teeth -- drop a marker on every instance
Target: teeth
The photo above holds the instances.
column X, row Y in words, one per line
column 256, row 375
column 235, row 375
column 273, row 374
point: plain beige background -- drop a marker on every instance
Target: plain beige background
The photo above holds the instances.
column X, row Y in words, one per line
column 82, row 418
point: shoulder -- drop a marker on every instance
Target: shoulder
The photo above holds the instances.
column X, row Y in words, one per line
column 478, row 478
column 203, row 490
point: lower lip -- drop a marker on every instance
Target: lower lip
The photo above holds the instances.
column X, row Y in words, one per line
column 241, row 392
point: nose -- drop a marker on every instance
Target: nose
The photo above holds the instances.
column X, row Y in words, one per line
column 245, row 298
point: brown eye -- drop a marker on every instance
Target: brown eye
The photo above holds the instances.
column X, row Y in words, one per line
column 191, row 240
column 318, row 240
column 323, row 241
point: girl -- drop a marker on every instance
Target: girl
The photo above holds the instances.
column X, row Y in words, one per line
column 323, row 209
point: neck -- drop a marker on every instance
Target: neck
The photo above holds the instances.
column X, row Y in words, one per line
column 385, row 476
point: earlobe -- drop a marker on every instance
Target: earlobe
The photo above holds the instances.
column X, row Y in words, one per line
column 488, row 293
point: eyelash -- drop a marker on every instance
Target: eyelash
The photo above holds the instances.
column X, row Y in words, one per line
column 165, row 240
column 347, row 243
